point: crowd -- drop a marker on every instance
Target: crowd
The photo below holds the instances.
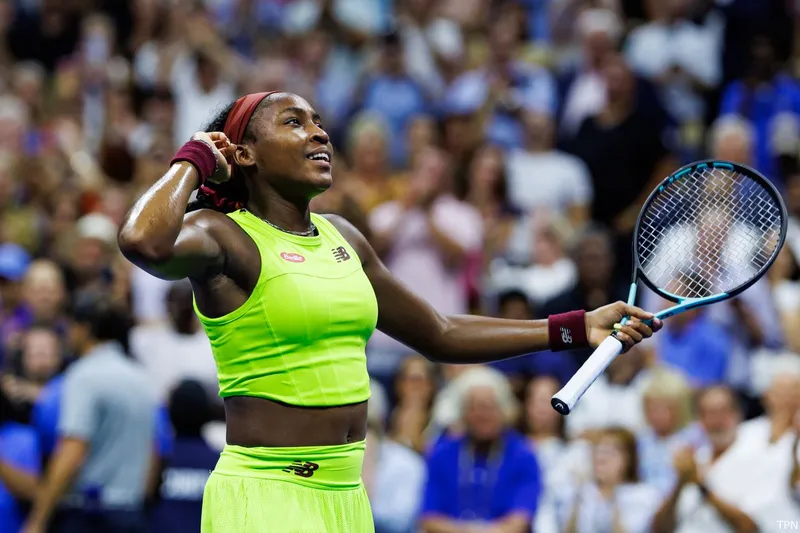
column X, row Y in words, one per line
column 496, row 154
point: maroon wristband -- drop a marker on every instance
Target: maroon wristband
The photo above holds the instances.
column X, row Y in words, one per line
column 567, row 331
column 200, row 155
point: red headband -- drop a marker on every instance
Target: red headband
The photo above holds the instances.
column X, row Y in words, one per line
column 240, row 115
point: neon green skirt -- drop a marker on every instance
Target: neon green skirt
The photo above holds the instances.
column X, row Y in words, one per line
column 313, row 489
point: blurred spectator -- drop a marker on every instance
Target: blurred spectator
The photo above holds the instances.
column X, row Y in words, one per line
column 90, row 264
column 19, row 467
column 541, row 177
column 393, row 474
column 764, row 95
column 177, row 349
column 561, row 462
column 488, row 476
column 625, row 145
column 45, row 295
column 615, row 399
column 614, row 499
column 668, row 409
column 106, row 420
column 582, row 86
column 710, row 489
column 39, row 359
column 414, row 389
column 426, row 239
column 183, row 479
column 391, row 93
column 14, row 261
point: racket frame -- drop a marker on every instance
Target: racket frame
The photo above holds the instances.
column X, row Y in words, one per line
column 565, row 399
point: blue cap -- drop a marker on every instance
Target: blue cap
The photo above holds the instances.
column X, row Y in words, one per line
column 14, row 261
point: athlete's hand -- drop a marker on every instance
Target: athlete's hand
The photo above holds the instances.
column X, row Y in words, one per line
column 223, row 151
column 602, row 322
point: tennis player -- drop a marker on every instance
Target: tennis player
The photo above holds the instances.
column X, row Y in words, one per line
column 288, row 299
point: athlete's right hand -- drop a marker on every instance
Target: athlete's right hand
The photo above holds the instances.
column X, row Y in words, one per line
column 223, row 151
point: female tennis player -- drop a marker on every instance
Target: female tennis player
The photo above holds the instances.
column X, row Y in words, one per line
column 288, row 299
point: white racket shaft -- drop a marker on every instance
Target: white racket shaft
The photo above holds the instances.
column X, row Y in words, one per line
column 565, row 399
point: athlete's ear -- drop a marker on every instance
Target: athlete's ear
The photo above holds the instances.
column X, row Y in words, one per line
column 243, row 157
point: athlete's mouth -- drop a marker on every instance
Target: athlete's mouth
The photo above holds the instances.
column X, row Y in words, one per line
column 323, row 155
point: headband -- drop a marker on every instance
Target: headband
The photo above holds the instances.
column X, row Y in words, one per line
column 240, row 115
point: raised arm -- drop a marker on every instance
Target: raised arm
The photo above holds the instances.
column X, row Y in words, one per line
column 160, row 238
column 466, row 338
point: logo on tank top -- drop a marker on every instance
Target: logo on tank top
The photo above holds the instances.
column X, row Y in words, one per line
column 302, row 469
column 292, row 257
column 340, row 254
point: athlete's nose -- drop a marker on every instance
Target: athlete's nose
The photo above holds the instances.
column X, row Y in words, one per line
column 320, row 136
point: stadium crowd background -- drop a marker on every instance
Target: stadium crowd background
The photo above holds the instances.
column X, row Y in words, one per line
column 496, row 154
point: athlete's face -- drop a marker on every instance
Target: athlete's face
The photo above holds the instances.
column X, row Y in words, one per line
column 291, row 149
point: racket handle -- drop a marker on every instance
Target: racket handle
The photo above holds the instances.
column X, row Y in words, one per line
column 565, row 399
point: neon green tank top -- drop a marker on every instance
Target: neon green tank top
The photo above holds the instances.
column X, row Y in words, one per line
column 300, row 337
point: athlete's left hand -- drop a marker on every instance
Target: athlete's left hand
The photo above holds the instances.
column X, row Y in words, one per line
column 601, row 323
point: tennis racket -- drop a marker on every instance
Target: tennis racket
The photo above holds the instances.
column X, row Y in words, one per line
column 705, row 234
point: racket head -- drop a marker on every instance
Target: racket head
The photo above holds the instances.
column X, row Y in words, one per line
column 680, row 235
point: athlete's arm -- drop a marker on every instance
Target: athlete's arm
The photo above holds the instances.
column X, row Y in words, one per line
column 160, row 238
column 466, row 338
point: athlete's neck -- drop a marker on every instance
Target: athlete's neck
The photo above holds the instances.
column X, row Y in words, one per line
column 280, row 212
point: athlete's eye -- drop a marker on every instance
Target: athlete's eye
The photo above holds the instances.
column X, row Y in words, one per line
column 293, row 121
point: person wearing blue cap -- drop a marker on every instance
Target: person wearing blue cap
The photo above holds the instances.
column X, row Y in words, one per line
column 14, row 262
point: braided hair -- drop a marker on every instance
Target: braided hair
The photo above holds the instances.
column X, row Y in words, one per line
column 230, row 195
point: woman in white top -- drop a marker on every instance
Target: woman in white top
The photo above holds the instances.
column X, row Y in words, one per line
column 614, row 501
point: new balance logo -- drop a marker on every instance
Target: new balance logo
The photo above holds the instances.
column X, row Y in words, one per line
column 566, row 335
column 340, row 254
column 302, row 469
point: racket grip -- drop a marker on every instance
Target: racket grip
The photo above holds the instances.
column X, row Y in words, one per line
column 565, row 399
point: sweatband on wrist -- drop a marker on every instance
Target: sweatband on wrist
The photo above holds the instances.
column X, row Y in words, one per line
column 567, row 331
column 200, row 155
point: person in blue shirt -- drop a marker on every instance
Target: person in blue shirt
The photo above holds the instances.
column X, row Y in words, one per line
column 185, row 472
column 488, row 477
column 19, row 468
column 696, row 346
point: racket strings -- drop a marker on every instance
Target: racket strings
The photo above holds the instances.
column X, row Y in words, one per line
column 708, row 232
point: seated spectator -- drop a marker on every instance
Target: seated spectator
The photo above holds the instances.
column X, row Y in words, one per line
column 180, row 493
column 178, row 349
column 694, row 345
column 615, row 399
column 488, row 476
column 14, row 261
column 561, row 462
column 712, row 489
column 414, row 389
column 615, row 499
column 106, row 420
column 393, row 475
column 40, row 359
column 19, row 468
column 668, row 410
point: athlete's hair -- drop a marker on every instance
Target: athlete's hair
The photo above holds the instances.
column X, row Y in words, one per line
column 221, row 196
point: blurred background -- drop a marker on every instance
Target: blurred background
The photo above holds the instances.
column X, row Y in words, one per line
column 535, row 129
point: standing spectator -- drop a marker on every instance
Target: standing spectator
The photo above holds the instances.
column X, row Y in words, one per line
column 392, row 94
column 106, row 420
column 426, row 239
column 180, row 496
column 762, row 96
column 394, row 476
column 488, row 477
column 414, row 389
column 178, row 349
column 615, row 499
column 542, row 177
column 19, row 467
column 624, row 147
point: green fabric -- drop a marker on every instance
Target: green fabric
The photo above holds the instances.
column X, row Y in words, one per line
column 288, row 490
column 300, row 338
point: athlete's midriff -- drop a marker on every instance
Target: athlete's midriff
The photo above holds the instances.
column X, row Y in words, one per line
column 256, row 422
column 291, row 360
